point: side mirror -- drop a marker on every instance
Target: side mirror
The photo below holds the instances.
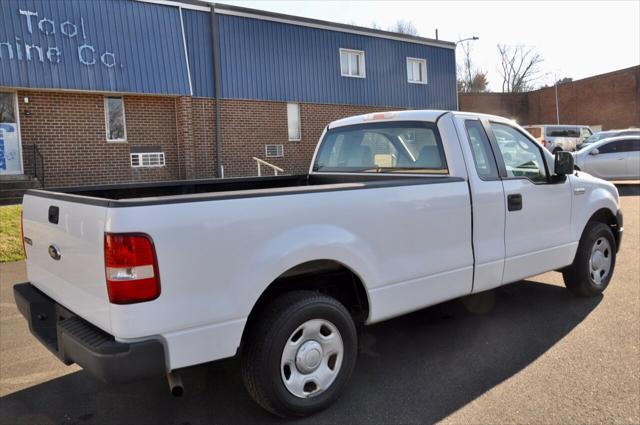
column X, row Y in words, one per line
column 594, row 152
column 564, row 163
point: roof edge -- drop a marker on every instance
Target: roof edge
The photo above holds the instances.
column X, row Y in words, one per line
column 227, row 9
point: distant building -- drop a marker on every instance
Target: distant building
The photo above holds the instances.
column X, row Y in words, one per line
column 605, row 101
column 111, row 91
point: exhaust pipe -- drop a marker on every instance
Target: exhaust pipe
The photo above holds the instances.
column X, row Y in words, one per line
column 175, row 384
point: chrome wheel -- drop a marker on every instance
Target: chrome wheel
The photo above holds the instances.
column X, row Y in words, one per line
column 600, row 260
column 311, row 358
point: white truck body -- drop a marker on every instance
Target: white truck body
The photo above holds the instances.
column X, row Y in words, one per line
column 412, row 240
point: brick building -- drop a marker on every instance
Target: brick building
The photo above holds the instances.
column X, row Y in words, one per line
column 111, row 91
column 608, row 101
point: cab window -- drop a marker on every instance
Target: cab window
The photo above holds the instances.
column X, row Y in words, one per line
column 387, row 147
column 481, row 150
column 522, row 157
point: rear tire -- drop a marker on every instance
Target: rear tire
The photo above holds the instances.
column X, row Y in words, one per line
column 595, row 261
column 299, row 353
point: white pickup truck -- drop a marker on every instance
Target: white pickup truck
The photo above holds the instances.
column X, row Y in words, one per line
column 399, row 211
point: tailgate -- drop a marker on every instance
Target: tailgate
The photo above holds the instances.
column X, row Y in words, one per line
column 77, row 278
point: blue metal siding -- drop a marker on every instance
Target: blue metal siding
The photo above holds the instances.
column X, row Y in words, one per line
column 145, row 40
column 197, row 30
column 274, row 61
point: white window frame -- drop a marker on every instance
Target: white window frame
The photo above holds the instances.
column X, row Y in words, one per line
column 279, row 148
column 141, row 162
column 294, row 139
column 423, row 63
column 361, row 59
column 106, row 119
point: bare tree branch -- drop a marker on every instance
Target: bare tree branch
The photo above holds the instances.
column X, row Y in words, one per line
column 470, row 79
column 404, row 27
column 519, row 68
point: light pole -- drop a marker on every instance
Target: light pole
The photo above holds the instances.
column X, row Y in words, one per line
column 474, row 38
column 557, row 106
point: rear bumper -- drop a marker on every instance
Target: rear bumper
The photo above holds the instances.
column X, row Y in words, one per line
column 74, row 340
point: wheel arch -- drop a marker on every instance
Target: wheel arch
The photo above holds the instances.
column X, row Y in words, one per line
column 606, row 216
column 328, row 276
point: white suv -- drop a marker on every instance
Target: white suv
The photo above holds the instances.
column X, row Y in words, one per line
column 559, row 137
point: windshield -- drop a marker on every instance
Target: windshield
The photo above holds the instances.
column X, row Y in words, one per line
column 407, row 147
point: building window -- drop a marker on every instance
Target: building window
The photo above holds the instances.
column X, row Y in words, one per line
column 352, row 63
column 114, row 119
column 273, row 151
column 417, row 70
column 147, row 159
column 293, row 120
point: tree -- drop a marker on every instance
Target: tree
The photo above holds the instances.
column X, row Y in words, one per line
column 470, row 79
column 564, row 80
column 519, row 68
column 404, row 27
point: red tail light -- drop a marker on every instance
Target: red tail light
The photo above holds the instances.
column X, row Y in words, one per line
column 544, row 143
column 131, row 268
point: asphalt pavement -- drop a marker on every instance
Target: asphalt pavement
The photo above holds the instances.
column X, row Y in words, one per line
column 525, row 353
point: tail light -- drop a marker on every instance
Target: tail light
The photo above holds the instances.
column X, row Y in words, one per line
column 131, row 268
column 543, row 143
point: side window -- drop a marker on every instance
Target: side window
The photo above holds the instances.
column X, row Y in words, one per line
column 585, row 132
column 629, row 145
column 522, row 156
column 114, row 119
column 612, row 147
column 481, row 150
column 352, row 63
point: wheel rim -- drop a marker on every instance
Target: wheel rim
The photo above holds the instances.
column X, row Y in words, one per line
column 311, row 358
column 600, row 260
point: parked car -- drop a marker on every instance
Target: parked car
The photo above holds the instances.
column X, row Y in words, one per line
column 559, row 137
column 615, row 158
column 609, row 133
column 399, row 211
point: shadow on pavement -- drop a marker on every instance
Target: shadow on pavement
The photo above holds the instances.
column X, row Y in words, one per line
column 417, row 368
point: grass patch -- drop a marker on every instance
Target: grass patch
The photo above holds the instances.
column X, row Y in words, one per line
column 10, row 237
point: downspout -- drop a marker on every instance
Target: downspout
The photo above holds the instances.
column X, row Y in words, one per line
column 217, row 89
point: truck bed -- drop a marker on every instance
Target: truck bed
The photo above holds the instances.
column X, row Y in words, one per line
column 230, row 188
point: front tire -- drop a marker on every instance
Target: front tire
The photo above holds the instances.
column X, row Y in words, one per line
column 595, row 260
column 299, row 353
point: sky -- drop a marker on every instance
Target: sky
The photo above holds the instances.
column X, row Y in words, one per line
column 576, row 39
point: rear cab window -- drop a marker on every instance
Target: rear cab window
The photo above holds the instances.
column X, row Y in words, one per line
column 411, row 147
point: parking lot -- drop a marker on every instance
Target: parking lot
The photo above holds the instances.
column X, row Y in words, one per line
column 525, row 353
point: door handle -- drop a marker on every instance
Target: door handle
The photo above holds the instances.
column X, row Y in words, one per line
column 514, row 202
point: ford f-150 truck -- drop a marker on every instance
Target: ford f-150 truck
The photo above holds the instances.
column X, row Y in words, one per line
column 399, row 211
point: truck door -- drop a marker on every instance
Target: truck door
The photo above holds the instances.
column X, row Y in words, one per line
column 488, row 203
column 537, row 233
